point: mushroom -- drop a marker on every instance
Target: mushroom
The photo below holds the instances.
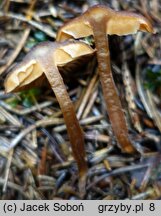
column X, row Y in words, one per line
column 99, row 21
column 45, row 59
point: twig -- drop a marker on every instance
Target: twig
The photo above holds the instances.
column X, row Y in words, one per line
column 85, row 121
column 27, row 110
column 7, row 169
column 16, row 51
column 155, row 114
column 117, row 172
column 15, row 187
column 141, row 91
column 90, row 103
column 37, row 25
column 13, row 120
column 86, row 96
column 40, row 123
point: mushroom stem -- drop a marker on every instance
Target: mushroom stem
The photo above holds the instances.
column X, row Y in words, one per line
column 73, row 128
column 112, row 100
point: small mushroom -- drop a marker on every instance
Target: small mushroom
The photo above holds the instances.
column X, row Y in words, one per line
column 45, row 59
column 99, row 21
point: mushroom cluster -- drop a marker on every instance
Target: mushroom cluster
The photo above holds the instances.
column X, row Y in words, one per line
column 43, row 61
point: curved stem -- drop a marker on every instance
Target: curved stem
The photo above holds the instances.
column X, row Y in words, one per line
column 73, row 128
column 112, row 100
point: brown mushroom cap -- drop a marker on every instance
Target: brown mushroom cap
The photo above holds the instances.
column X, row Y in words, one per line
column 119, row 23
column 29, row 72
